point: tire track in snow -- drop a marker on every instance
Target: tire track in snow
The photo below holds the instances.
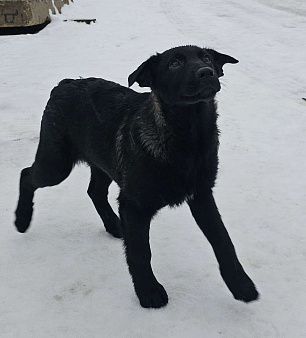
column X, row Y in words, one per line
column 174, row 11
column 294, row 6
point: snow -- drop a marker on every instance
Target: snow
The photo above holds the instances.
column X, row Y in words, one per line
column 67, row 277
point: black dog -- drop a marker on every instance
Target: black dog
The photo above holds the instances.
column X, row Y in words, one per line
column 161, row 148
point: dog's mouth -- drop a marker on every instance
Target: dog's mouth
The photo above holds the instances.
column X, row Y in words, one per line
column 205, row 94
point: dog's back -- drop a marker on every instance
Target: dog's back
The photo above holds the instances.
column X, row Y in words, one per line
column 89, row 115
column 84, row 100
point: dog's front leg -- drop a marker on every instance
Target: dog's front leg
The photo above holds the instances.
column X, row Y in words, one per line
column 136, row 225
column 206, row 214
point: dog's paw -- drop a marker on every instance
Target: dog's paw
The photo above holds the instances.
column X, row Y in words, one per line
column 241, row 286
column 21, row 226
column 115, row 228
column 117, row 233
column 246, row 292
column 153, row 297
column 23, row 218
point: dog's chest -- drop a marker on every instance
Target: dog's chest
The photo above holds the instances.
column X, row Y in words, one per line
column 160, row 183
column 165, row 164
column 193, row 171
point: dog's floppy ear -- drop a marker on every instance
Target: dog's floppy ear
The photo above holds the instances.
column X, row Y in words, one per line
column 144, row 74
column 220, row 60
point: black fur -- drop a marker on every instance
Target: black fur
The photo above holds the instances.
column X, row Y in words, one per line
column 161, row 148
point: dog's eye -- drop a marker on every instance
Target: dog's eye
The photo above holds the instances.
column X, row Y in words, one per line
column 207, row 58
column 175, row 64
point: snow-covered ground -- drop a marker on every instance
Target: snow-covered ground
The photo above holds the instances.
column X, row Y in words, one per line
column 67, row 277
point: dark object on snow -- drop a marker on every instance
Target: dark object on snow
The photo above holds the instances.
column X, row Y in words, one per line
column 88, row 21
column 161, row 148
column 304, row 98
column 23, row 30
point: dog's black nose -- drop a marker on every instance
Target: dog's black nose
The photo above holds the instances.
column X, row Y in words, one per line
column 204, row 72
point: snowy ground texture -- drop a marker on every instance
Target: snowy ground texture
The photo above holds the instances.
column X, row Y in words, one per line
column 67, row 277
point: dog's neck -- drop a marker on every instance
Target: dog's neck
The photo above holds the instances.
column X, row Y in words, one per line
column 157, row 110
column 163, row 128
column 182, row 114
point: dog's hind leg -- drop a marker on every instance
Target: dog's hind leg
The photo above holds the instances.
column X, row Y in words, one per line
column 24, row 209
column 53, row 163
column 38, row 176
column 98, row 191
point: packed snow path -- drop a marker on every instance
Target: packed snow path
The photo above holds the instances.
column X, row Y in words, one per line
column 67, row 277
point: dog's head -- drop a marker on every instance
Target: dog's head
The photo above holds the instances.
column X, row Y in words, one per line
column 183, row 75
